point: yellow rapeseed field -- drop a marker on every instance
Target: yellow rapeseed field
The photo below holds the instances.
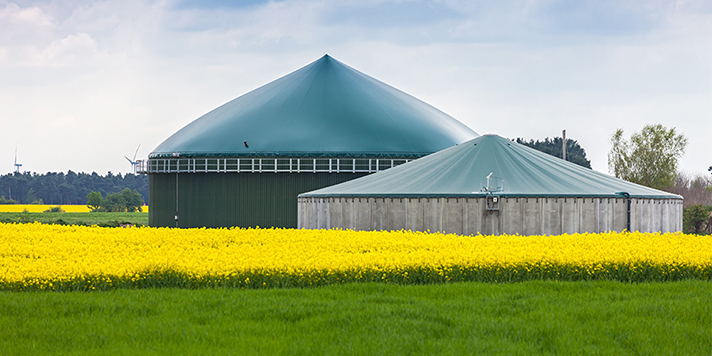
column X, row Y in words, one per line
column 37, row 256
column 37, row 208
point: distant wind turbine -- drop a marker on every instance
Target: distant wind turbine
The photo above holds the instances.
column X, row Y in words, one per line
column 17, row 165
column 133, row 162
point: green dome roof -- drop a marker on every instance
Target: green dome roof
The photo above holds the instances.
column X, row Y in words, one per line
column 514, row 170
column 323, row 109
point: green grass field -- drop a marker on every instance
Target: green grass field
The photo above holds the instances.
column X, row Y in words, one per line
column 102, row 219
column 529, row 318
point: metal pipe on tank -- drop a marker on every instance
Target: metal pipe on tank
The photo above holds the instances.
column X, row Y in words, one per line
column 627, row 196
column 176, row 199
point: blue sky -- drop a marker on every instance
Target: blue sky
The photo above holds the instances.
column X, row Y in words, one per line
column 83, row 83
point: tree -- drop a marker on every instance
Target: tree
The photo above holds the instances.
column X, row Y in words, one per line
column 94, row 201
column 695, row 189
column 132, row 200
column 125, row 201
column 574, row 152
column 649, row 158
column 114, row 202
column 30, row 197
column 695, row 219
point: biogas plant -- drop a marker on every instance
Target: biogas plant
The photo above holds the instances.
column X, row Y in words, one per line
column 327, row 146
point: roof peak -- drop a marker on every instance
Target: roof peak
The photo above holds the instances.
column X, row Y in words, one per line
column 324, row 107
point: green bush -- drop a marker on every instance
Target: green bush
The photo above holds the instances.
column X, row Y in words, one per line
column 24, row 217
column 695, row 219
column 7, row 201
column 94, row 201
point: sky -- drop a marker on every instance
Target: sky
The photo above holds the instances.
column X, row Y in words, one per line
column 84, row 83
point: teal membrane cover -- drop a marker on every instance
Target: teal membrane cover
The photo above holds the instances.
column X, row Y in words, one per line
column 489, row 165
column 325, row 109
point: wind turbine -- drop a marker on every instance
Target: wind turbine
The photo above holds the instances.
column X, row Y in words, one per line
column 133, row 162
column 17, row 165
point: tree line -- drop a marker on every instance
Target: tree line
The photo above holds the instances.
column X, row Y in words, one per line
column 574, row 152
column 66, row 189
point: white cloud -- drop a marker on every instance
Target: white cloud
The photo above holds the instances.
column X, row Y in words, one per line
column 71, row 50
column 33, row 17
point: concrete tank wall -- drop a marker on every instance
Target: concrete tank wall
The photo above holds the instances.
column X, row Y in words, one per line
column 466, row 216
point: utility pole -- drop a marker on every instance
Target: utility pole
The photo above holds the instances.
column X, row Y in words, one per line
column 563, row 143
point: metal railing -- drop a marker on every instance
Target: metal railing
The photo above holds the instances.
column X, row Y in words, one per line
column 267, row 165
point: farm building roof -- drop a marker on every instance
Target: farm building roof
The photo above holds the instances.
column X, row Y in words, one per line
column 323, row 109
column 489, row 164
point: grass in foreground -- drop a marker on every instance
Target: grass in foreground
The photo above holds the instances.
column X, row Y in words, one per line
column 86, row 219
column 535, row 317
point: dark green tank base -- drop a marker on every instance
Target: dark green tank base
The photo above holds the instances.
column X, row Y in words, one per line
column 232, row 199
